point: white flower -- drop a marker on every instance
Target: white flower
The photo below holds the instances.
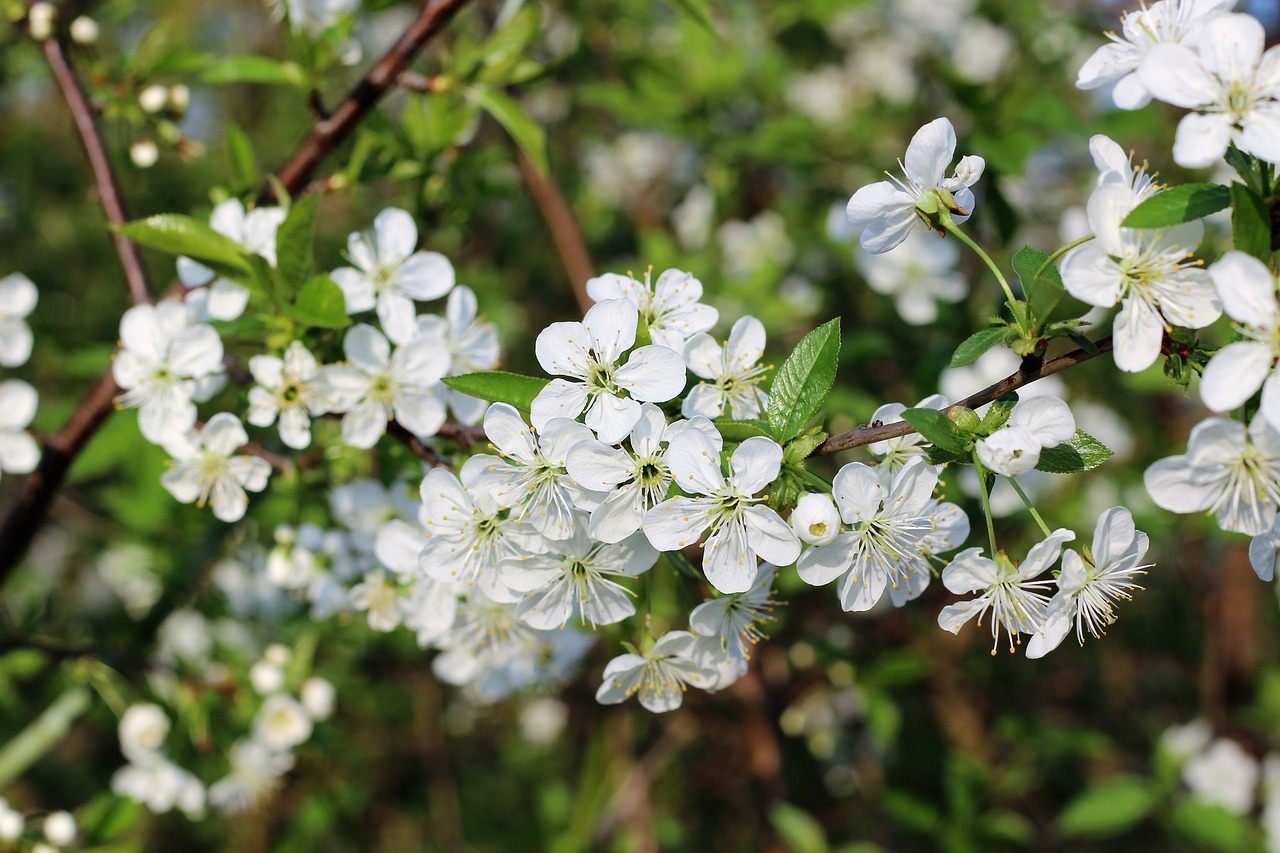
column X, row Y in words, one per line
column 165, row 362
column 378, row 385
column 59, row 828
column 659, row 676
column 1087, row 591
column 588, row 353
column 888, row 540
column 815, row 519
column 143, row 728
column 11, row 822
column 380, row 597
column 734, row 371
column 1224, row 471
column 1116, row 167
column 255, row 230
column 266, row 677
column 1225, row 775
column 897, row 453
column 535, row 484
column 318, row 697
column 19, row 452
column 389, row 275
column 1146, row 271
column 887, row 210
column 286, row 387
column 363, row 506
column 1236, row 372
column 636, row 479
column 579, row 577
column 255, row 770
column 1186, row 741
column 670, row 307
column 1034, row 425
column 1012, row 594
column 1264, row 551
column 281, row 723
column 161, row 786
column 741, row 529
column 729, row 626
column 17, row 300
column 205, row 471
column 919, row 276
column 1229, row 81
column 1169, row 22
column 472, row 343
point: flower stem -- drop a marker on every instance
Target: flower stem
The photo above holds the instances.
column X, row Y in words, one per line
column 986, row 501
column 1059, row 253
column 947, row 222
column 811, row 478
column 1027, row 502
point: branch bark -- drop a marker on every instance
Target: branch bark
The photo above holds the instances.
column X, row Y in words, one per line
column 564, row 229
column 1030, row 371
column 327, row 133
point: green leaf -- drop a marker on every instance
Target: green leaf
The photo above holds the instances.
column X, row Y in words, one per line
column 802, row 446
column 1081, row 452
column 504, row 48
column 1250, row 223
column 1177, row 205
column 1209, row 826
column 742, row 430
column 294, row 240
column 938, row 429
column 526, row 132
column 1246, row 166
column 998, row 412
column 797, row 829
column 699, row 11
column 1108, row 808
column 1047, row 300
column 802, row 383
column 320, row 303
column 240, row 153
column 977, row 344
column 499, row 387
column 254, row 69
column 182, row 235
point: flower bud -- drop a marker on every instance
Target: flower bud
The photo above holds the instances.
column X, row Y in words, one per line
column 60, row 828
column 40, row 19
column 143, row 728
column 144, row 153
column 84, row 30
column 966, row 419
column 815, row 519
column 153, row 98
column 266, row 677
column 179, row 97
column 317, row 697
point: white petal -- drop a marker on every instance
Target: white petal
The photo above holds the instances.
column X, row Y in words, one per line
column 509, row 433
column 771, row 538
column 1047, row 418
column 561, row 349
column 969, row 572
column 227, row 300
column 1234, row 374
column 695, row 463
column 652, row 374
column 612, row 417
column 676, row 523
column 363, row 425
column 396, row 235
column 1201, row 140
column 1138, row 334
column 1246, row 288
column 703, row 400
column 356, row 288
column 930, row 152
column 396, row 313
column 425, row 276
column 755, row 464
column 223, row 434
column 19, row 453
column 611, row 328
column 366, row 348
column 728, row 561
column 561, row 398
column 822, row 564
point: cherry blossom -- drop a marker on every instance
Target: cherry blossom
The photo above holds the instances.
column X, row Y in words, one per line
column 669, row 307
column 734, row 372
column 19, row 452
column 205, row 471
column 255, row 230
column 18, row 298
column 1034, row 425
column 472, row 343
column 658, row 677
column 287, row 388
column 1236, row 372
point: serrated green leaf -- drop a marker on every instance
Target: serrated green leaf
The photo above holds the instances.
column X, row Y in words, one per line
column 802, row 446
column 499, row 387
column 504, row 48
column 938, row 429
column 320, row 303
column 998, row 413
column 240, row 154
column 1209, row 826
column 798, row 829
column 801, row 384
column 294, row 241
column 254, row 69
column 1177, row 205
column 1246, row 166
column 182, row 235
column 1250, row 223
column 978, row 343
column 1081, row 452
column 526, row 132
column 742, row 430
column 1047, row 299
column 1106, row 809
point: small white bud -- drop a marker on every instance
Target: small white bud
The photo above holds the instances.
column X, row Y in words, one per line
column 266, row 677
column 143, row 728
column 179, row 97
column 318, row 697
column 815, row 519
column 11, row 822
column 277, row 654
column 84, row 30
column 144, row 153
column 60, row 828
column 40, row 18
column 153, row 98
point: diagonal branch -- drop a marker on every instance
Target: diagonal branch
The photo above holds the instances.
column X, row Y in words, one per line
column 1031, row 370
column 327, row 133
column 564, row 229
column 108, row 189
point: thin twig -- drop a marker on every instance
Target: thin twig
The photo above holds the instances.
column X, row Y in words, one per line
column 327, row 133
column 1029, row 372
column 108, row 189
column 420, row 450
column 564, row 229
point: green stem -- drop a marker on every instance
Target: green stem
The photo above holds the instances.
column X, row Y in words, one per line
column 811, row 478
column 945, row 218
column 1059, row 253
column 1027, row 502
column 986, row 501
column 43, row 734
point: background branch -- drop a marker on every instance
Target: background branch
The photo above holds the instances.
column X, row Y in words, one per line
column 564, row 229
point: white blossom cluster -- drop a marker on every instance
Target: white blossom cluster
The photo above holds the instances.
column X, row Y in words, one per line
column 19, row 452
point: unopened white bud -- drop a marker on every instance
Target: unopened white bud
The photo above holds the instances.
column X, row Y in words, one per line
column 266, row 677
column 153, row 98
column 144, row 153
column 40, row 18
column 60, row 828
column 84, row 30
column 11, row 822
column 179, row 97
column 277, row 654
column 815, row 519
column 318, row 697
column 143, row 728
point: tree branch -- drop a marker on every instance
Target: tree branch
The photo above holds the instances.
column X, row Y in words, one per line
column 327, row 133
column 108, row 190
column 420, row 450
column 564, row 229
column 1029, row 372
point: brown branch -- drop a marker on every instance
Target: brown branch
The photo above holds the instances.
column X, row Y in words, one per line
column 420, row 450
column 327, row 133
column 1031, row 370
column 108, row 189
column 564, row 229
